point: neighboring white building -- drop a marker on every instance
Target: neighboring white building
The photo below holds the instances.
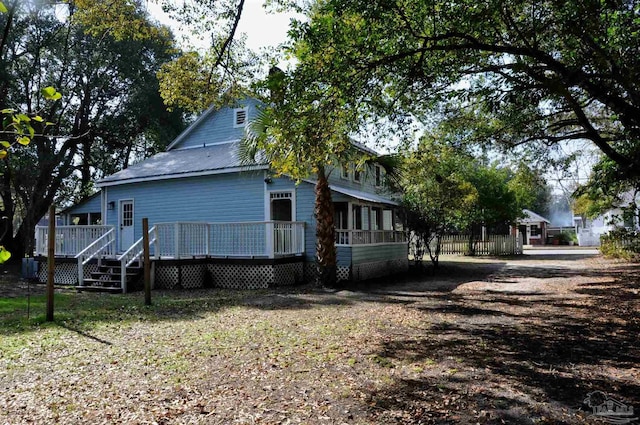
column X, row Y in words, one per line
column 589, row 230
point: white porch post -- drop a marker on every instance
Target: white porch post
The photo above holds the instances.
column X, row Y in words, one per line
column 269, row 237
column 176, row 240
column 207, row 247
column 156, row 246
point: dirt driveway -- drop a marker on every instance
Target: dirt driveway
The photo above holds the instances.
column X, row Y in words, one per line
column 524, row 340
column 492, row 341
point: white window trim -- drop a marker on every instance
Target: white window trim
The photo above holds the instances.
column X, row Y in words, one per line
column 235, row 117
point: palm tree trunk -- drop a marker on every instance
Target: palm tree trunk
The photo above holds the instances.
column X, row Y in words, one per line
column 325, row 233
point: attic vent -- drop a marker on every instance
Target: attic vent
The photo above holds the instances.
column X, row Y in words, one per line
column 240, row 117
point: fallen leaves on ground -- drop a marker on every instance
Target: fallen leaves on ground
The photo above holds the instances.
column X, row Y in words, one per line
column 489, row 342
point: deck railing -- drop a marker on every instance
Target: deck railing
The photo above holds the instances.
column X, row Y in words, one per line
column 250, row 239
column 361, row 237
column 104, row 246
column 70, row 240
column 133, row 254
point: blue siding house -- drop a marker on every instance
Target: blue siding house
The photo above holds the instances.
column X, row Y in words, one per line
column 217, row 221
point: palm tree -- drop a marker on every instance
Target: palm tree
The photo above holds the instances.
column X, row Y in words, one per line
column 301, row 131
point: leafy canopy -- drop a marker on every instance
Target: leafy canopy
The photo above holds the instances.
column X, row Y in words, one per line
column 534, row 71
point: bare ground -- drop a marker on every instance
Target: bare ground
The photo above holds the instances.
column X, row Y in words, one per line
column 516, row 341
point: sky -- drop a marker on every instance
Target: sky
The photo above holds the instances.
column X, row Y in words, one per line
column 262, row 29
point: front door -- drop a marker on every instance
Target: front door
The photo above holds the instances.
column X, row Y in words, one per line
column 126, row 224
column 281, row 209
column 281, row 206
column 523, row 234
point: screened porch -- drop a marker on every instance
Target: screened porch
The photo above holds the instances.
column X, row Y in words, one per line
column 361, row 224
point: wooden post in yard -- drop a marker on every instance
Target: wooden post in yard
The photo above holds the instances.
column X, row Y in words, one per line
column 51, row 261
column 146, row 263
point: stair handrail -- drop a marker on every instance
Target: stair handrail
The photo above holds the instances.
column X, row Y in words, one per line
column 103, row 245
column 132, row 254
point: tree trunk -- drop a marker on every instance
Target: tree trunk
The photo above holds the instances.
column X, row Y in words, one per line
column 325, row 233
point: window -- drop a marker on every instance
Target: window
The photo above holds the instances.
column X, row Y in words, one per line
column 79, row 219
column 240, row 117
column 378, row 176
column 535, row 230
column 127, row 214
column 357, row 175
column 387, row 220
column 340, row 218
column 357, row 217
column 366, row 225
column 376, row 218
column 344, row 172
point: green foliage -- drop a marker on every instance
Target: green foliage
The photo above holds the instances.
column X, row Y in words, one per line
column 530, row 189
column 303, row 126
column 4, row 255
column 18, row 126
column 621, row 243
column 446, row 188
column 110, row 114
column 120, row 19
column 195, row 81
column 497, row 204
column 608, row 188
column 525, row 73
column 211, row 76
column 436, row 194
column 302, row 131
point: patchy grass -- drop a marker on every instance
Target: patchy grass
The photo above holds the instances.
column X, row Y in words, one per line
column 520, row 341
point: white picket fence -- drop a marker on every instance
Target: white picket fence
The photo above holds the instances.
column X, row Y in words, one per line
column 491, row 245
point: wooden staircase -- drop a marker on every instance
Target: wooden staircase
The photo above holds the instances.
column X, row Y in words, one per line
column 108, row 278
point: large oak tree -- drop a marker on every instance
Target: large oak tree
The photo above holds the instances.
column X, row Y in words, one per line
column 534, row 71
column 109, row 106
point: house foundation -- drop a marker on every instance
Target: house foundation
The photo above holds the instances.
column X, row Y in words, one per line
column 227, row 273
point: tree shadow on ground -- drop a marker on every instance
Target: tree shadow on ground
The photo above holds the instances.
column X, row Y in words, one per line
column 519, row 357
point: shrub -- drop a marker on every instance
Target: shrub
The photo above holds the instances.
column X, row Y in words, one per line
column 621, row 243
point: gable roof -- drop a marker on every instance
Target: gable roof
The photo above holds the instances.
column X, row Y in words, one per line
column 531, row 217
column 202, row 118
column 207, row 116
column 214, row 159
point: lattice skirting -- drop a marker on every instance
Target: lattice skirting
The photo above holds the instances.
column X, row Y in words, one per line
column 366, row 271
column 65, row 273
column 226, row 275
column 343, row 272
